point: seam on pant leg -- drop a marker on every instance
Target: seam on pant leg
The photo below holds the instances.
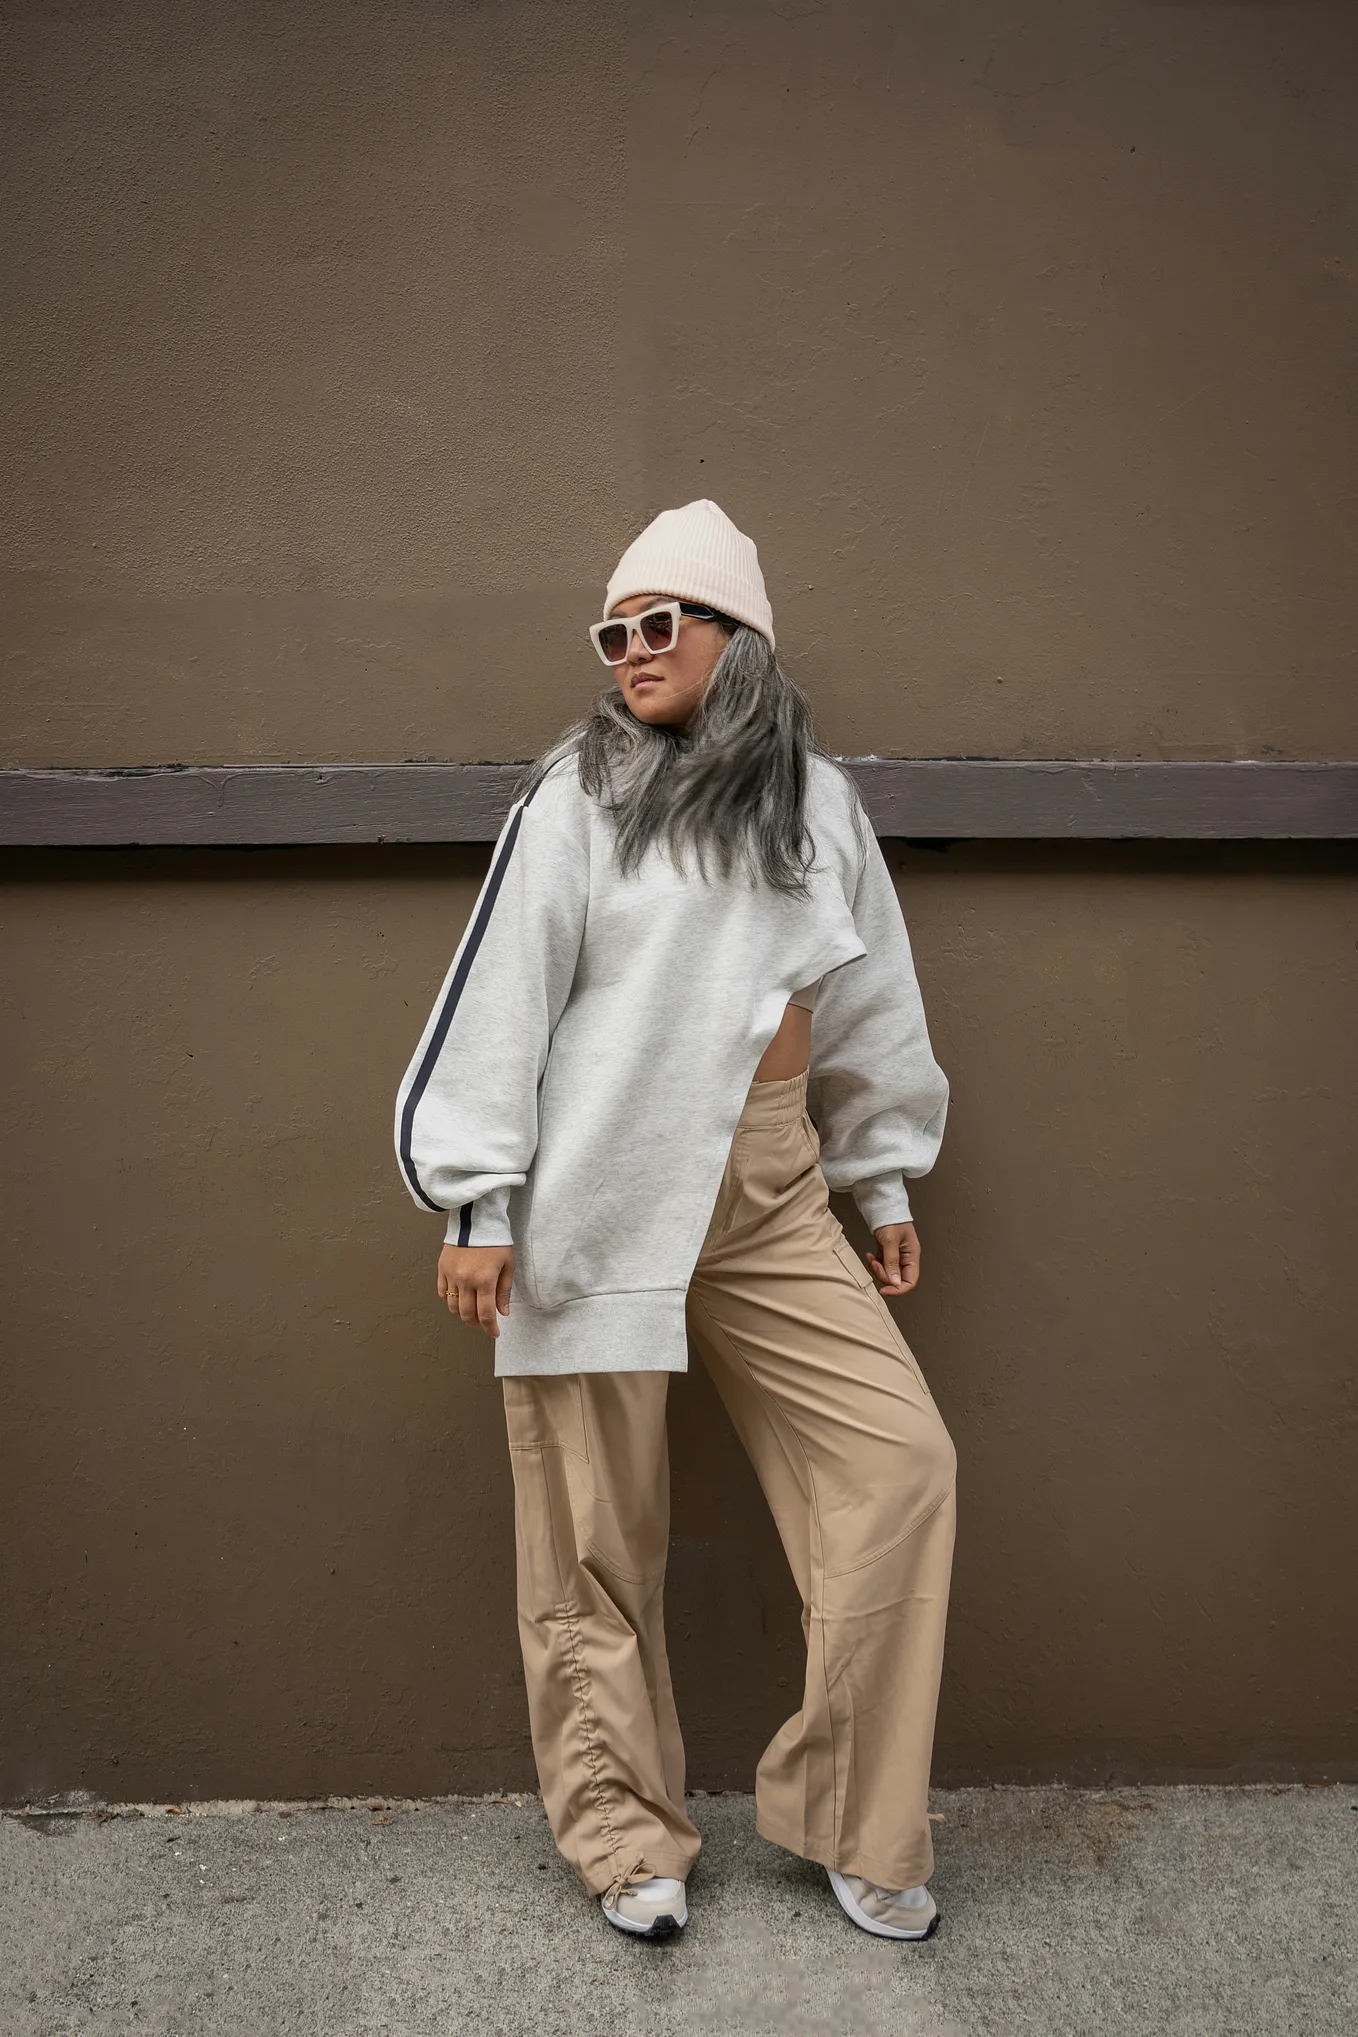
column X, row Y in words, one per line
column 567, row 1612
column 615, row 1569
column 904, row 1536
column 723, row 1336
column 580, row 1686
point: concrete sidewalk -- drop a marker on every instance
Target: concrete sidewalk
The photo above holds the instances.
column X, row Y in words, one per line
column 1177, row 1912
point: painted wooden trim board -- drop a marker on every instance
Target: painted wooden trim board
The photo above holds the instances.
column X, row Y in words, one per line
column 924, row 798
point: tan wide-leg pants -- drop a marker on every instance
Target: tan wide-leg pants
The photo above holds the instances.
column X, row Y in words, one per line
column 858, row 1469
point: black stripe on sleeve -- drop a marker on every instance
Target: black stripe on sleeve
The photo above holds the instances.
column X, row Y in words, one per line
column 445, row 1017
column 464, row 1225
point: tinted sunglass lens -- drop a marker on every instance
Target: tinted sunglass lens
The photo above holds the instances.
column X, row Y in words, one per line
column 657, row 631
column 613, row 642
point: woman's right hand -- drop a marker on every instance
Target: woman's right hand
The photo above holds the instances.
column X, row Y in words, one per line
column 475, row 1281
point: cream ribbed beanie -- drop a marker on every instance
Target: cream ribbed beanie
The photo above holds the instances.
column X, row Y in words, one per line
column 695, row 554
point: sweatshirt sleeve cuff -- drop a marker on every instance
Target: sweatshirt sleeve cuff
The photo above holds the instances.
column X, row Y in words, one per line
column 883, row 1200
column 483, row 1222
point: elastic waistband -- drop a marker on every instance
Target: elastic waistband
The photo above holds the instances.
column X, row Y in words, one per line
column 774, row 1103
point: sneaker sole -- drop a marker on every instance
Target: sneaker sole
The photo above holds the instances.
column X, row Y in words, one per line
column 663, row 1927
column 867, row 1923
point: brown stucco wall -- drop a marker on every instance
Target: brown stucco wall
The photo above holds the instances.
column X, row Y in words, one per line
column 259, row 1537
column 1022, row 340
column 350, row 342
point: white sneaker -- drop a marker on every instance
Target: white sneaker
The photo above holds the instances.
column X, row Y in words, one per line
column 648, row 1909
column 886, row 1912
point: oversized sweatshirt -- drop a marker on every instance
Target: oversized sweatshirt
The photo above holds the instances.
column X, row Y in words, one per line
column 577, row 1087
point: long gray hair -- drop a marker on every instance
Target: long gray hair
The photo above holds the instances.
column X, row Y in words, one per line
column 729, row 788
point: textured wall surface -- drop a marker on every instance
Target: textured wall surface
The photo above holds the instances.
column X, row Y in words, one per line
column 259, row 1535
column 354, row 339
column 349, row 343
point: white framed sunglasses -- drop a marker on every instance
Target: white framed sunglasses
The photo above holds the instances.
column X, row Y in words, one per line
column 657, row 627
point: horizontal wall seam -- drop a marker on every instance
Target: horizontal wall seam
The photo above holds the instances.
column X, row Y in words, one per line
column 911, row 798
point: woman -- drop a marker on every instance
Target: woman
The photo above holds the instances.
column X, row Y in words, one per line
column 623, row 1104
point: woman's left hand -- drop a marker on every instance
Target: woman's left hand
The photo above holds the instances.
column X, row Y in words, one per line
column 897, row 1270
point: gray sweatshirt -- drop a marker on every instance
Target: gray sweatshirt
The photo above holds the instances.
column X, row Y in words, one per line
column 579, row 1081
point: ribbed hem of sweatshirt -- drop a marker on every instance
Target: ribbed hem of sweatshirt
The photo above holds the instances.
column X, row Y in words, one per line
column 628, row 1332
column 883, row 1200
column 483, row 1222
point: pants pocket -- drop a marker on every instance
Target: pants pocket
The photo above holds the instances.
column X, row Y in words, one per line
column 542, row 1413
column 720, row 1219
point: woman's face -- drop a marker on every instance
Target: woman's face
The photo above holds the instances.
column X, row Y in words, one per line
column 664, row 688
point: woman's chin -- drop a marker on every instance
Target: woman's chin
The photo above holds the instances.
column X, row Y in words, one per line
column 654, row 709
